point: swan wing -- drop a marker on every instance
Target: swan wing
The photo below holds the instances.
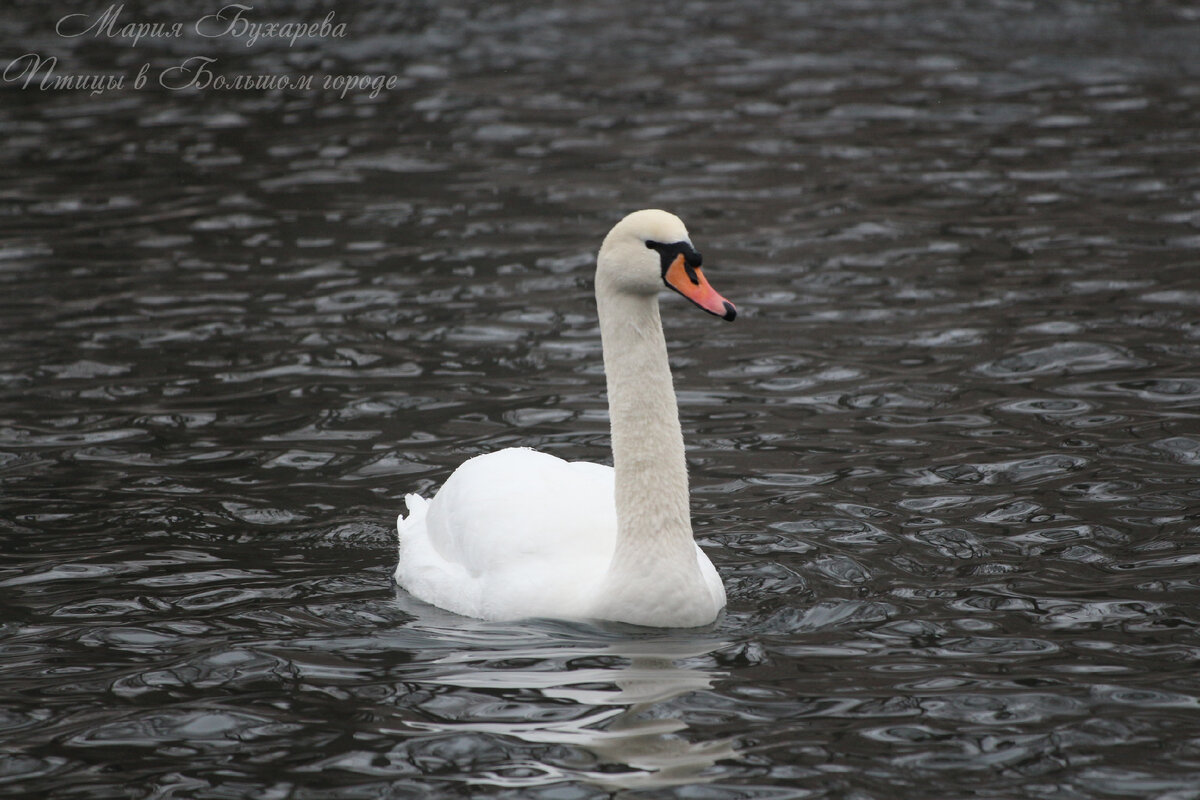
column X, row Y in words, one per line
column 515, row 533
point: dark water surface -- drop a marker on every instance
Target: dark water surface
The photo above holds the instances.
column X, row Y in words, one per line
column 947, row 460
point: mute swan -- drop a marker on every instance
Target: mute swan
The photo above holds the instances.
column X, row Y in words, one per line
column 518, row 533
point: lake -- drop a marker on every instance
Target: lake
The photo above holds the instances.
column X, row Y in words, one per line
column 946, row 460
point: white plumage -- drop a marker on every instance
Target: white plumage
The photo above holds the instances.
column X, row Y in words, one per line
column 519, row 533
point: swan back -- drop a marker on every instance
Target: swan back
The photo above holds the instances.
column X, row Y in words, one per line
column 515, row 533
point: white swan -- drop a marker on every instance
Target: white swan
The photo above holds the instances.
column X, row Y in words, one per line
column 518, row 533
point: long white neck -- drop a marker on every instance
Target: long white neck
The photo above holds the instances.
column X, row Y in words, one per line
column 655, row 558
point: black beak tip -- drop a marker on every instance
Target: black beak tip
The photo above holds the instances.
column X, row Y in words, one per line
column 730, row 312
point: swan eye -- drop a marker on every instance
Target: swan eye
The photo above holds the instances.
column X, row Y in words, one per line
column 668, row 253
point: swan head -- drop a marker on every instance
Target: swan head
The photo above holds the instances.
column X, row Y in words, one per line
column 649, row 249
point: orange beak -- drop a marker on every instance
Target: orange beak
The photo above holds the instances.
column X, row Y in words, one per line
column 690, row 282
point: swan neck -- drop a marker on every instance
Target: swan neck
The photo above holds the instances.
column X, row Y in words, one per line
column 653, row 518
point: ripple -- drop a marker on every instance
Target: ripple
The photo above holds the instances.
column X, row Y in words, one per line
column 86, row 369
column 945, row 462
column 1182, row 449
column 842, row 570
column 210, row 727
column 258, row 515
column 1145, row 698
column 1066, row 358
column 1174, row 296
column 1155, row 390
column 19, row 766
column 1048, row 406
column 1132, row 782
column 827, row 614
column 1037, row 469
column 953, row 543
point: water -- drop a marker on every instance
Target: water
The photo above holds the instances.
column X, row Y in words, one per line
column 945, row 459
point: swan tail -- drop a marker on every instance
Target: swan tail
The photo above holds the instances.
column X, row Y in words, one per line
column 407, row 529
column 417, row 507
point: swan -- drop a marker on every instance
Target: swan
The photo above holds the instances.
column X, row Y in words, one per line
column 518, row 533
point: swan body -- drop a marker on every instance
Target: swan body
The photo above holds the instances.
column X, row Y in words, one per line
column 503, row 550
column 518, row 533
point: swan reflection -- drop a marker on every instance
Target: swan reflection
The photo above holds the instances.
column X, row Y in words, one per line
column 616, row 712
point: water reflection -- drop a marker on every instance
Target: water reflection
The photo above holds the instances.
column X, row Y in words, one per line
column 611, row 699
